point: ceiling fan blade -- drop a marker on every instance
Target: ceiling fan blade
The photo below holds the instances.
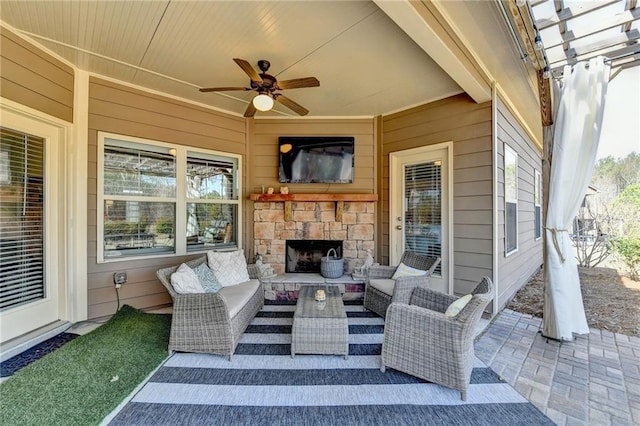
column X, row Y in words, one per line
column 248, row 69
column 222, row 89
column 298, row 83
column 294, row 106
column 250, row 111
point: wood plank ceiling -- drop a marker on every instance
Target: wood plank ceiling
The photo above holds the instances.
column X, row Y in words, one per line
column 366, row 64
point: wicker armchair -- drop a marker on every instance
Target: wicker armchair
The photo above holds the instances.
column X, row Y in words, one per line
column 419, row 339
column 202, row 323
column 381, row 290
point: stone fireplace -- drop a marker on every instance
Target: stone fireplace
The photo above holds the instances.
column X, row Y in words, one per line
column 305, row 255
column 313, row 220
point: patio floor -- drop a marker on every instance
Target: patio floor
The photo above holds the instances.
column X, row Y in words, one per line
column 594, row 380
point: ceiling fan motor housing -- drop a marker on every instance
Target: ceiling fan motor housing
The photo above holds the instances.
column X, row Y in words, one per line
column 264, row 65
column 269, row 83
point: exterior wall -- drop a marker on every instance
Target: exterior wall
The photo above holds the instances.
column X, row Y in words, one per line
column 34, row 78
column 119, row 109
column 515, row 269
column 262, row 151
column 468, row 125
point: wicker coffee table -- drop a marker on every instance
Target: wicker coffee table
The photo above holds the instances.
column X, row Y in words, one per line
column 320, row 327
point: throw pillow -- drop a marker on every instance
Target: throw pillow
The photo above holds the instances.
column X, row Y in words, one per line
column 207, row 278
column 229, row 267
column 455, row 308
column 407, row 271
column 185, row 281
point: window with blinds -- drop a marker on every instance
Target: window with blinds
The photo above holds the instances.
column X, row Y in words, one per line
column 511, row 199
column 139, row 200
column 210, row 188
column 149, row 189
column 22, row 172
column 423, row 208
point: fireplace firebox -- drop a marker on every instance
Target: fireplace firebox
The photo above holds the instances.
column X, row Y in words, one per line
column 305, row 255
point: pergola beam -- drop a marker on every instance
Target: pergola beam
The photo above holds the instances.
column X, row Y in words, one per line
column 527, row 33
column 627, row 17
column 568, row 13
column 631, row 4
column 610, row 54
column 626, row 38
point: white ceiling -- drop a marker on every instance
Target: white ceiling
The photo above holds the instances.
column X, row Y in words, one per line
column 366, row 64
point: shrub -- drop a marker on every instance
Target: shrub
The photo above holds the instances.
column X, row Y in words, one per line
column 164, row 225
column 629, row 250
column 119, row 227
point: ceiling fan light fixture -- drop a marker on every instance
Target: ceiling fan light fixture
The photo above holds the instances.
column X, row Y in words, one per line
column 263, row 102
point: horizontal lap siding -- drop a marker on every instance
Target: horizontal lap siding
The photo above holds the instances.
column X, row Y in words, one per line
column 468, row 125
column 34, row 78
column 515, row 270
column 123, row 110
column 264, row 153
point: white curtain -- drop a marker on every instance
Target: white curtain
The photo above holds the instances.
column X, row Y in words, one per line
column 582, row 92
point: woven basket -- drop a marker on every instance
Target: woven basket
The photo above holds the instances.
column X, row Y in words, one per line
column 331, row 266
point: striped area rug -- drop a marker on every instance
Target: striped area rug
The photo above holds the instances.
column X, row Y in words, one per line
column 263, row 385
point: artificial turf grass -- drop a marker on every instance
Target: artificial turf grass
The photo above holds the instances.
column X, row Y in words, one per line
column 76, row 385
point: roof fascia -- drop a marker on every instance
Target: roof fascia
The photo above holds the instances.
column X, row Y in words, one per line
column 427, row 27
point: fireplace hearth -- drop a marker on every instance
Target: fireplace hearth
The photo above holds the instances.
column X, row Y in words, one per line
column 304, row 256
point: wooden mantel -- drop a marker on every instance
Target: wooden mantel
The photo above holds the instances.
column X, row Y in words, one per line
column 313, row 197
column 288, row 198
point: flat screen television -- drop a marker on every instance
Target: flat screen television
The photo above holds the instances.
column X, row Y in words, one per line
column 316, row 159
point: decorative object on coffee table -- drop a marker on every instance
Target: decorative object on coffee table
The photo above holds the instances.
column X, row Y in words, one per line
column 320, row 327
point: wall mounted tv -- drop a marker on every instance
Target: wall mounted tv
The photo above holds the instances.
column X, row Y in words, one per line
column 316, row 159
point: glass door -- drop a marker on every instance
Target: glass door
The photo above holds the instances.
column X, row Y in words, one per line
column 420, row 208
column 28, row 283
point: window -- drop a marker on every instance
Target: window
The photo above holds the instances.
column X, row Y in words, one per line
column 158, row 200
column 537, row 204
column 22, row 261
column 423, row 211
column 511, row 199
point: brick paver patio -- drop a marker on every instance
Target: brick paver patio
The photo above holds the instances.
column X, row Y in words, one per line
column 594, row 380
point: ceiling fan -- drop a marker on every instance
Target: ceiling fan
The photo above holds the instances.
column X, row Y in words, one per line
column 266, row 86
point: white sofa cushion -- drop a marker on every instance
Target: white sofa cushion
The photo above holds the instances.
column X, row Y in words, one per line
column 229, row 267
column 385, row 285
column 185, row 281
column 236, row 296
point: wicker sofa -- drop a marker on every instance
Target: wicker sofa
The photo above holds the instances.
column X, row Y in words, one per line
column 212, row 322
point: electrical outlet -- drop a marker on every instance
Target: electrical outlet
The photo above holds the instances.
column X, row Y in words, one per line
column 119, row 278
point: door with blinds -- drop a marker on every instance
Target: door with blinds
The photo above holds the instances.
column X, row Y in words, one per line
column 419, row 211
column 28, row 289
